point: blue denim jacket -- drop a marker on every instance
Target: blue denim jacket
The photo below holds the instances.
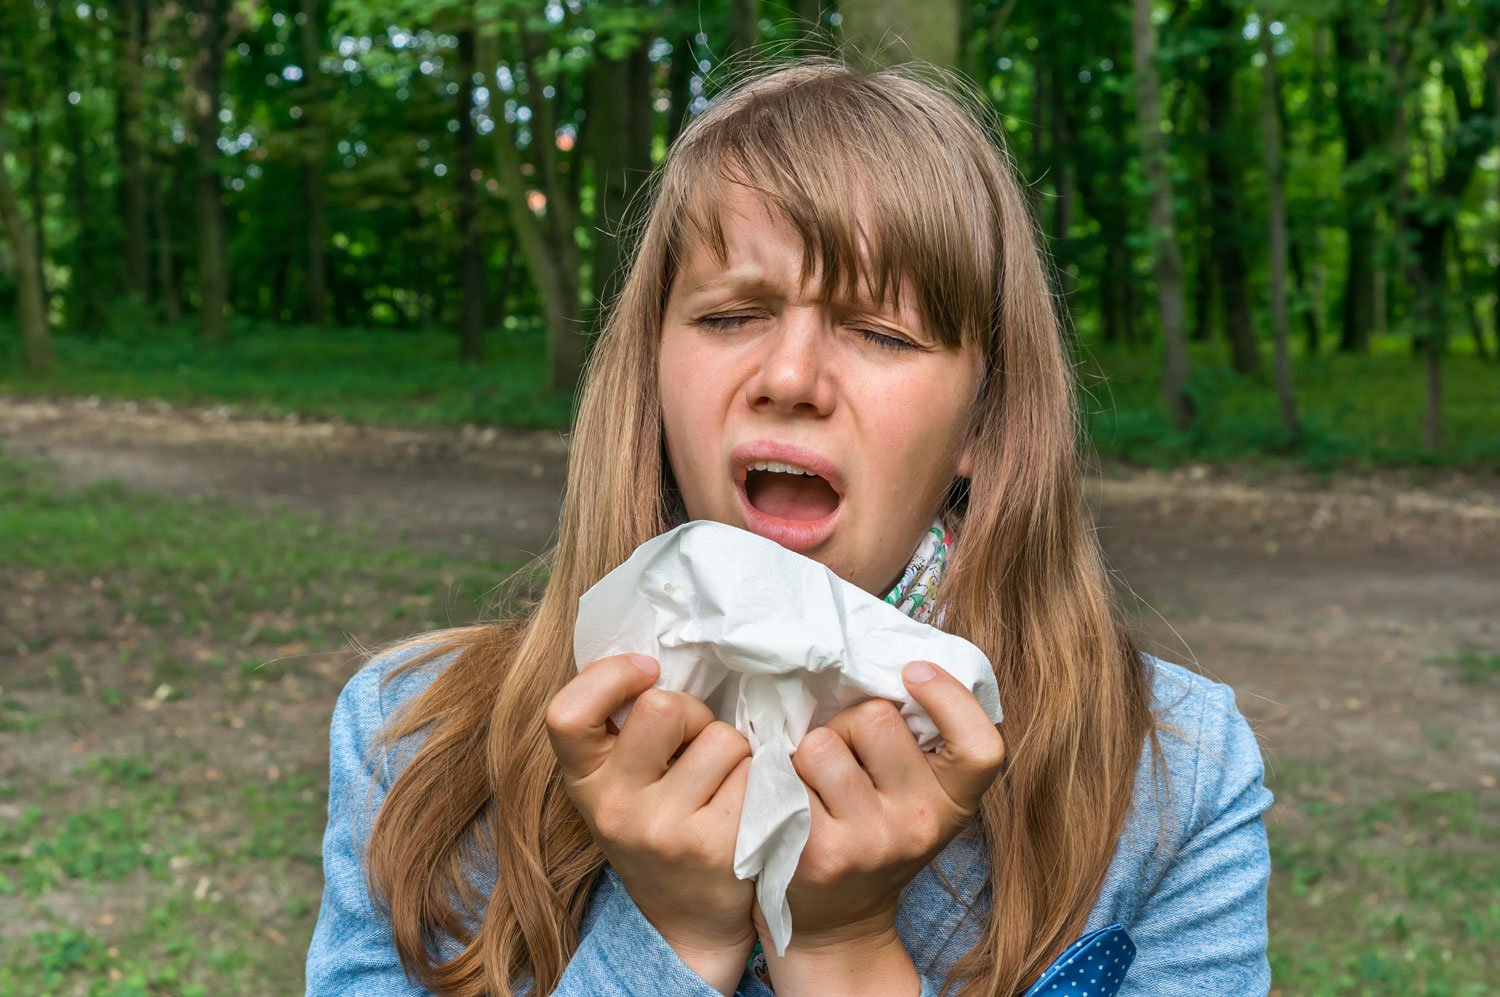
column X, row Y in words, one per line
column 1193, row 901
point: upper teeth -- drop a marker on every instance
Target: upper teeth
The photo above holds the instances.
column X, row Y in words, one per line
column 771, row 465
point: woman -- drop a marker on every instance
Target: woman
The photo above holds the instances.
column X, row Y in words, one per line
column 836, row 333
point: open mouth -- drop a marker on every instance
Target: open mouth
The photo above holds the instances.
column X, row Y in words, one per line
column 787, row 494
column 784, row 491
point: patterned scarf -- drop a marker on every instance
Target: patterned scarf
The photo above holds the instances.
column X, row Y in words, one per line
column 916, row 592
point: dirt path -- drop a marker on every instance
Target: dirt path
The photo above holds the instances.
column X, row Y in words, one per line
column 1331, row 608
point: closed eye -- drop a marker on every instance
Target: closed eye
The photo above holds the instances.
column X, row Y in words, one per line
column 719, row 323
column 886, row 341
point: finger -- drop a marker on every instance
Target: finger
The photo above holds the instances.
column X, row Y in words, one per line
column 577, row 716
column 705, row 763
column 830, row 769
column 882, row 743
column 729, row 799
column 660, row 722
column 973, row 750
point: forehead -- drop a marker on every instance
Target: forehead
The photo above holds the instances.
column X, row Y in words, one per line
column 749, row 244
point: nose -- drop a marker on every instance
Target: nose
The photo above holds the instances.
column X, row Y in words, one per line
column 794, row 375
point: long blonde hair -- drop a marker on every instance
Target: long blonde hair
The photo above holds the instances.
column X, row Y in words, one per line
column 941, row 208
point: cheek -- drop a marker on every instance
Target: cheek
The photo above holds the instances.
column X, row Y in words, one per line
column 687, row 406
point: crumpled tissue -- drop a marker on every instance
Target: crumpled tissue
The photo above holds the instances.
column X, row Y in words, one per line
column 776, row 644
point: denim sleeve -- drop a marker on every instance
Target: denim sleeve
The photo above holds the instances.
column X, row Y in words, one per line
column 1203, row 928
column 353, row 950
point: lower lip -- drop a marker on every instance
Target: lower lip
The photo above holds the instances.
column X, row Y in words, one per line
column 800, row 535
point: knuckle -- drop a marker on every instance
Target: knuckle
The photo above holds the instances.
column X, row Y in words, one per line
column 882, row 716
column 989, row 753
column 655, row 704
column 563, row 717
column 722, row 738
column 818, row 743
column 611, row 818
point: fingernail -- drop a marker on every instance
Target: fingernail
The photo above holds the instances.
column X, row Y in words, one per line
column 918, row 671
column 645, row 663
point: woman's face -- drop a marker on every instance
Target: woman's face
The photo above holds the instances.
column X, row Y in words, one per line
column 760, row 381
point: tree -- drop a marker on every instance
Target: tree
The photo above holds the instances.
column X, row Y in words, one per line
column 85, row 289
column 129, row 36
column 1276, row 214
column 1168, row 257
column 211, row 36
column 471, row 263
column 313, row 118
column 37, row 338
column 619, row 144
column 1225, row 183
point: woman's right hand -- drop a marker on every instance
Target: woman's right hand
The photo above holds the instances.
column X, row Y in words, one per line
column 662, row 798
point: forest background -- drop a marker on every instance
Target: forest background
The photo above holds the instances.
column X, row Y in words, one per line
column 414, row 210
column 294, row 295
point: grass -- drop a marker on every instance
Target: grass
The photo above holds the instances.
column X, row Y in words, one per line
column 360, row 375
column 170, row 668
column 1358, row 411
column 1394, row 895
column 1473, row 667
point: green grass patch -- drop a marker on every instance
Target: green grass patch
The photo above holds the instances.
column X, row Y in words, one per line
column 1474, row 667
column 1357, row 411
column 1396, row 896
column 361, row 375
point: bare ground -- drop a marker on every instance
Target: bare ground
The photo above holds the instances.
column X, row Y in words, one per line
column 1332, row 607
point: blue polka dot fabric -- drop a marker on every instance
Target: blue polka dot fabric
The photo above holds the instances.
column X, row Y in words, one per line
column 1093, row 966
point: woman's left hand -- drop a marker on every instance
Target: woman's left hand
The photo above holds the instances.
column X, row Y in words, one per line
column 882, row 808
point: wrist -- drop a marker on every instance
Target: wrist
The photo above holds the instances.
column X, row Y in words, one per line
column 720, row 965
column 864, row 959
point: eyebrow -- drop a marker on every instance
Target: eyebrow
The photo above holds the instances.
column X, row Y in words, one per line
column 734, row 280
column 746, row 281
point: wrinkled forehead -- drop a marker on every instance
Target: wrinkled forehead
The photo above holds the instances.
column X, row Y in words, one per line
column 739, row 236
column 864, row 237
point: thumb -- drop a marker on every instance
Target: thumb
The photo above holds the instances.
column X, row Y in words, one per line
column 973, row 749
column 577, row 715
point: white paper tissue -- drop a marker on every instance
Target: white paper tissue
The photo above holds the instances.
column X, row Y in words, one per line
column 776, row 644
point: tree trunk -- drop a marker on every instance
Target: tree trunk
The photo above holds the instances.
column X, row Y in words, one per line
column 210, row 33
column 1358, row 307
column 1168, row 263
column 471, row 259
column 548, row 245
column 316, row 150
column 36, row 159
column 1225, row 181
column 620, row 146
column 896, row 31
column 130, row 36
column 169, row 296
column 744, row 24
column 1470, row 302
column 679, row 86
column 86, row 308
column 1276, row 209
column 37, row 338
column 1062, row 170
